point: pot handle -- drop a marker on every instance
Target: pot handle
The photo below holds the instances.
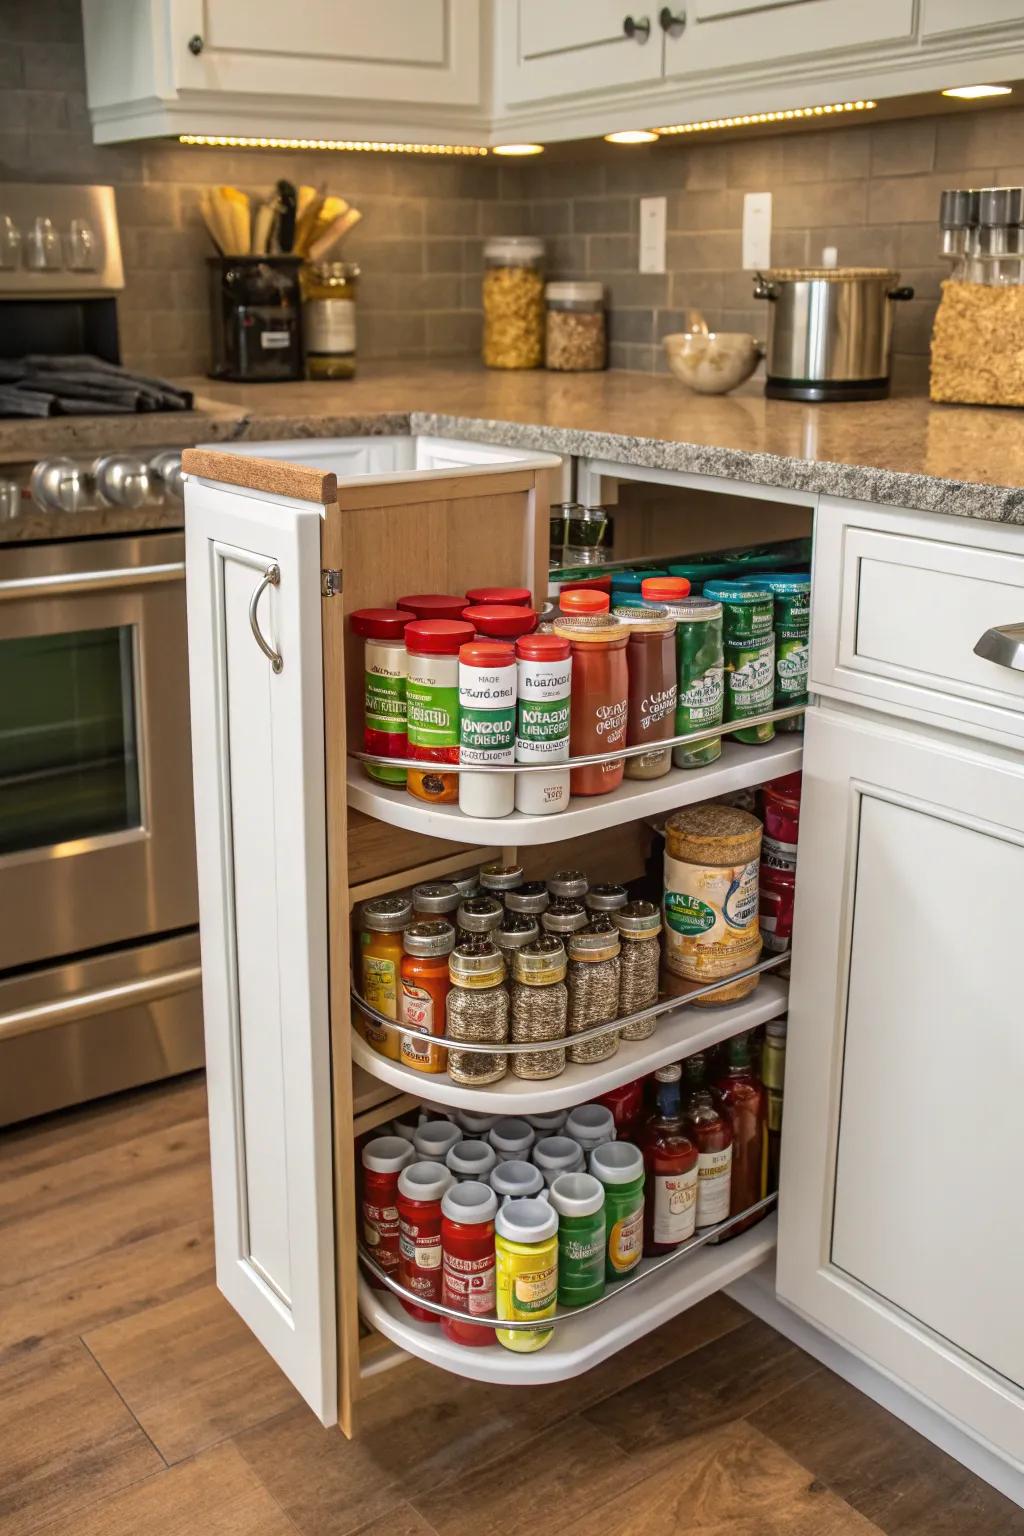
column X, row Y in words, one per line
column 763, row 289
column 900, row 293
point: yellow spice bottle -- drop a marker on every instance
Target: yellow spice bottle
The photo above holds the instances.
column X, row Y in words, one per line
column 526, row 1248
column 382, row 923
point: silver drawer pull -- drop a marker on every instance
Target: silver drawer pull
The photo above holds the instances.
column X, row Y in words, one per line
column 271, row 578
column 1003, row 644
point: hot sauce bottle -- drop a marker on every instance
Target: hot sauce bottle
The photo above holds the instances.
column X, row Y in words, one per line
column 670, row 1157
column 740, row 1095
column 712, row 1133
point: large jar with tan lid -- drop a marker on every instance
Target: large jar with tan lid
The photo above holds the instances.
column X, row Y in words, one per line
column 712, row 853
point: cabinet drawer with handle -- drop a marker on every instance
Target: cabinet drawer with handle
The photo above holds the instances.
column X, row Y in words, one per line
column 922, row 615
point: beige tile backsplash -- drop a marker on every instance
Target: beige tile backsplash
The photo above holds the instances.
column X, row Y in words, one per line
column 872, row 190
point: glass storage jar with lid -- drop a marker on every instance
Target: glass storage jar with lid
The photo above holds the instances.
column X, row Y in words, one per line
column 575, row 338
column 513, row 302
column 329, row 319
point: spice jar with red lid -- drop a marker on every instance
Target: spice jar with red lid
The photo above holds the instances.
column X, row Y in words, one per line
column 517, row 597
column 385, row 666
column 780, row 800
column 487, row 726
column 468, row 1260
column 432, row 697
column 584, row 600
column 775, row 914
column 421, row 1188
column 433, row 605
column 544, row 678
column 383, row 1159
column 658, row 590
column 500, row 621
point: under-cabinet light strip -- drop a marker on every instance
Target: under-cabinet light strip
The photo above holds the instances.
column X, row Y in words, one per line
column 752, row 119
column 365, row 146
column 708, row 733
column 566, row 1314
column 516, row 1048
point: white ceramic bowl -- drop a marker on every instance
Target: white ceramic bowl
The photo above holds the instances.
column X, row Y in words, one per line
column 715, row 363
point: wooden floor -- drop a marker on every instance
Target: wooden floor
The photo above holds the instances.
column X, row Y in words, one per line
column 133, row 1401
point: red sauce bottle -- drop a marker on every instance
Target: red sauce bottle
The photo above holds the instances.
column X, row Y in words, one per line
column 741, row 1097
column 670, row 1158
column 600, row 697
column 383, row 1159
column 711, row 1131
column 468, row 1262
column 421, row 1188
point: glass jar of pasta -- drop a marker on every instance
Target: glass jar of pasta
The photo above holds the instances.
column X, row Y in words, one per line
column 513, row 302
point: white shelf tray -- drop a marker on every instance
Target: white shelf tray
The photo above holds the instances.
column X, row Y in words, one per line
column 583, row 1342
column 678, row 1034
column 739, row 767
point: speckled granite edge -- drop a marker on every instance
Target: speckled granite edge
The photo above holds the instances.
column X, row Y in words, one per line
column 922, row 493
column 279, row 429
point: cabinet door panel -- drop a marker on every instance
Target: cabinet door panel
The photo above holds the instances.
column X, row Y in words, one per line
column 943, row 18
column 901, row 1162
column 576, row 46
column 737, row 36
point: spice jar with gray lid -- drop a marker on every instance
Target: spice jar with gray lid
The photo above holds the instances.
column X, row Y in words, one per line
column 590, row 1125
column 386, row 914
column 639, row 924
column 497, row 879
column 594, row 967
column 568, row 884
column 531, row 897
column 434, row 1139
column 514, row 932
column 477, row 1011
column 517, row 1180
column 606, row 898
column 564, row 917
column 471, row 1160
column 467, row 882
column 548, row 1122
column 511, row 1137
column 539, row 1004
column 478, row 916
column 558, row 1154
column 435, row 898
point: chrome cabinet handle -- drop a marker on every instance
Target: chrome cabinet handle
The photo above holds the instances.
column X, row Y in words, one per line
column 637, row 27
column 1003, row 644
column 271, row 578
column 670, row 21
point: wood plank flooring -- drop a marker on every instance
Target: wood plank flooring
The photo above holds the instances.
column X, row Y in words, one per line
column 133, row 1399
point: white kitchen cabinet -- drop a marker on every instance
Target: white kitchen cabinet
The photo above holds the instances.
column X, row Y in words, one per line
column 902, row 1167
column 547, row 50
column 949, row 18
column 743, row 34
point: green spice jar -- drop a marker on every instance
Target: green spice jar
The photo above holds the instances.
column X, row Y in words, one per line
column 700, row 666
column 791, row 598
column 619, row 1166
column 749, row 647
column 579, row 1200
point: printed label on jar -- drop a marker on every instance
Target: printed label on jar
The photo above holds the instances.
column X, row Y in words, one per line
column 610, row 723
column 433, row 714
column 714, row 1176
column 380, row 988
column 417, row 1011
column 675, row 1206
column 329, row 325
column 469, row 1284
column 701, row 704
column 380, row 1223
column 710, row 918
column 535, row 1289
column 486, row 734
column 791, row 669
column 626, row 1241
column 777, row 854
column 752, row 682
column 422, row 1251
column 384, row 696
column 542, row 730
column 656, row 706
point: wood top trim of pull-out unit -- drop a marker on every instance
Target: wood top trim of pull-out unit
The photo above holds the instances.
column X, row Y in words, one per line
column 427, row 485
column 277, row 477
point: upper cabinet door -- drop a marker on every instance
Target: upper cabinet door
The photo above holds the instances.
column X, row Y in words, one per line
column 945, row 18
column 258, row 755
column 575, row 46
column 747, row 34
column 411, row 51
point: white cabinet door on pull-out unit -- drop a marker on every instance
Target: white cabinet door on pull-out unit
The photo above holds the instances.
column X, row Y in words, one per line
column 258, row 757
column 900, row 1221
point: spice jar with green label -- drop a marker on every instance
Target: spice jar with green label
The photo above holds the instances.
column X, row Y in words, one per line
column 700, row 665
column 749, row 647
column 526, row 1247
column 619, row 1165
column 579, row 1200
column 432, row 698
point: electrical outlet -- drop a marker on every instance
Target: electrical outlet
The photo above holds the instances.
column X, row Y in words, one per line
column 757, row 231
column 653, row 219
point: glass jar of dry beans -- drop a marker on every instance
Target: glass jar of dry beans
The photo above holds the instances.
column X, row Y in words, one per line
column 594, row 966
column 477, row 1011
column 539, row 1006
column 575, row 339
column 513, row 302
column 639, row 924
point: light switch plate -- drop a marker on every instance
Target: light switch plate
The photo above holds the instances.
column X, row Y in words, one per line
column 653, row 219
column 757, row 231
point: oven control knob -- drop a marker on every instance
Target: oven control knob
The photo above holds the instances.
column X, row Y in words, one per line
column 165, row 470
column 57, row 485
column 122, row 480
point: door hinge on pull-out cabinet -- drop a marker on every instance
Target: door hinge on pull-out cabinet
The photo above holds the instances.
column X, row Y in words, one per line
column 330, row 583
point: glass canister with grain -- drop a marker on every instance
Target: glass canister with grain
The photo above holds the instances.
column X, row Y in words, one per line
column 513, row 302
column 575, row 339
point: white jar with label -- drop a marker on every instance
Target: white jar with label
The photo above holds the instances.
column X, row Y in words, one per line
column 544, row 666
column 487, row 726
column 329, row 319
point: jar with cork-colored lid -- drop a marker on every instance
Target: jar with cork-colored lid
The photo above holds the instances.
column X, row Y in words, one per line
column 712, row 853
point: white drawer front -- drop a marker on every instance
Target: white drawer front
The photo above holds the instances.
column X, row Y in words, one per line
column 900, row 601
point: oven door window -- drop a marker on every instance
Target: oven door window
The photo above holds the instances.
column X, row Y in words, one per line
column 69, row 760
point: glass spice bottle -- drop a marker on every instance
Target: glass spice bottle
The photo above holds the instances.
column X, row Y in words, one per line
column 539, row 1005
column 425, row 983
column 639, row 924
column 382, row 922
column 512, row 934
column 711, row 1131
column 564, row 917
column 594, row 968
column 568, row 885
column 434, row 899
column 498, row 880
column 741, row 1097
column 477, row 1011
column 531, row 898
column 599, row 703
column 478, row 917
column 606, row 897
column 329, row 290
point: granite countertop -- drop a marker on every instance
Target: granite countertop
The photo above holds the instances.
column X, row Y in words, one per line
column 966, row 461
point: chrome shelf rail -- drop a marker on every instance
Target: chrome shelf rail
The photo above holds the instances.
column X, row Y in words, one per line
column 644, row 1272
column 515, row 1048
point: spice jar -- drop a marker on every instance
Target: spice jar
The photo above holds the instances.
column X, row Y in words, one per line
column 424, row 977
column 381, row 924
column 477, row 1009
column 517, row 1180
column 700, row 672
column 651, row 660
column 471, row 1160
column 433, row 605
column 780, row 801
column 711, row 1132
column 600, row 697
column 499, row 880
column 594, row 967
column 500, row 621
column 511, row 1137
column 575, row 340
column 477, row 917
column 503, row 597
column 530, row 899
column 329, row 290
column 513, row 302
column 434, row 899
column 432, row 697
column 514, row 933
column 467, row 883
column 563, row 918
column 579, row 1200
column 591, row 1125
column 639, row 924
column 487, row 726
column 711, row 897
column 434, row 1139
column 544, row 676
column 468, row 1259
column 385, row 665
column 749, row 648
column 568, row 885
column 605, row 897
column 619, row 1165
column 548, row 1122
column 421, row 1187
column 555, row 1155
column 539, row 1004
column 473, row 1122
column 526, row 1247
column 591, row 598
column 383, row 1159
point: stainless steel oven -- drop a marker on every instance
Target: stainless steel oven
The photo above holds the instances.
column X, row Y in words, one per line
column 97, row 850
